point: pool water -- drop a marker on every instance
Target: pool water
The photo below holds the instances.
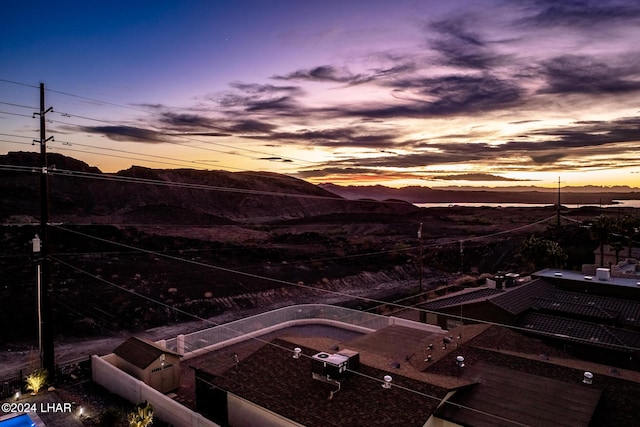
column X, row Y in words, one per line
column 20, row 421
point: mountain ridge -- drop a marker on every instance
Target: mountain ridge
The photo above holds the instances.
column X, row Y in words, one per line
column 532, row 195
column 79, row 192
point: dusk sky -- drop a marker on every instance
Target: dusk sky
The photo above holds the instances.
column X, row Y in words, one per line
column 433, row 93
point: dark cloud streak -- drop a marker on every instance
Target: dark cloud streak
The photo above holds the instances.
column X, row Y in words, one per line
column 585, row 75
column 581, row 14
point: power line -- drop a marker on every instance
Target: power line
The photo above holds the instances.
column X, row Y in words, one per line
column 66, row 148
column 271, row 343
column 226, row 326
column 147, row 181
column 16, row 136
column 191, row 163
column 149, row 137
column 16, row 114
column 321, row 290
column 19, row 105
column 113, row 104
column 64, row 114
column 315, row 260
column 178, row 135
column 19, row 83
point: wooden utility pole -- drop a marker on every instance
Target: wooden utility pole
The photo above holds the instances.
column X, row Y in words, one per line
column 558, row 207
column 420, row 258
column 423, row 314
column 46, row 314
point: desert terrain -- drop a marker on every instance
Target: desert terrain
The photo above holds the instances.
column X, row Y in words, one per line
column 160, row 252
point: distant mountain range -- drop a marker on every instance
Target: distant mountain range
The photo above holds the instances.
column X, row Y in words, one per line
column 593, row 195
column 81, row 193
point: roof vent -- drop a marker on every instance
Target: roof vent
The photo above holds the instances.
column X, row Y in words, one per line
column 387, row 381
column 588, row 378
column 557, row 274
column 296, row 352
column 603, row 273
column 460, row 361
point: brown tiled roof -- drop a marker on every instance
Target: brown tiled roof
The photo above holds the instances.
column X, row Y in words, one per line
column 140, row 352
column 272, row 378
column 504, row 397
column 569, row 307
column 593, row 333
column 626, row 311
column 465, row 297
column 542, row 295
column 520, row 298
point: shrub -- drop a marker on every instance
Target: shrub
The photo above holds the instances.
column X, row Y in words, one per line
column 36, row 380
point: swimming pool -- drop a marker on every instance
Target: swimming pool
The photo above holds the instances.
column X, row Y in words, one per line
column 22, row 420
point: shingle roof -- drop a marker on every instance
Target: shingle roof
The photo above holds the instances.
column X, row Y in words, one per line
column 272, row 378
column 504, row 397
column 504, row 348
column 140, row 352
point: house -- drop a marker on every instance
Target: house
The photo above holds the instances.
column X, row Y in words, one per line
column 500, row 395
column 150, row 363
column 610, row 255
column 324, row 367
column 594, row 318
column 479, row 375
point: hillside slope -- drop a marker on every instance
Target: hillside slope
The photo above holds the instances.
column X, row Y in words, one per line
column 168, row 195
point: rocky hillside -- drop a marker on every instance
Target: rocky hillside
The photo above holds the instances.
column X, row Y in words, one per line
column 186, row 196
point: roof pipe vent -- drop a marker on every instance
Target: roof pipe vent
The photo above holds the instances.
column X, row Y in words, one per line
column 296, row 352
column 460, row 361
column 387, row 381
column 587, row 378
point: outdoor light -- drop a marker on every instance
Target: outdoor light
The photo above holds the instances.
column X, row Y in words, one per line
column 80, row 411
column 387, row 381
column 36, row 243
column 17, row 395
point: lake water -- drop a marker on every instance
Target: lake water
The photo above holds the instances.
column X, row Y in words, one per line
column 477, row 205
column 622, row 203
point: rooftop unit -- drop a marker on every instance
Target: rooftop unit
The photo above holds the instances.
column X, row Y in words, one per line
column 333, row 367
